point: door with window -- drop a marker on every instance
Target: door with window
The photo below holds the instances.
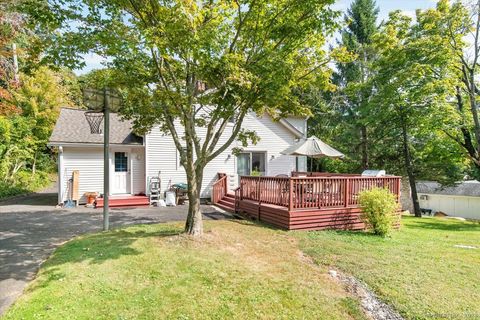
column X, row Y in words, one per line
column 251, row 163
column 121, row 173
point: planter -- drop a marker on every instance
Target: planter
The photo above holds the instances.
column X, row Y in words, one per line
column 91, row 196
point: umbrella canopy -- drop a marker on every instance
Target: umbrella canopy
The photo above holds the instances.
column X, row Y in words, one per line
column 314, row 148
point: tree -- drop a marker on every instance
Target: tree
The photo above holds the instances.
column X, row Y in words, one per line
column 346, row 107
column 193, row 66
column 459, row 26
column 413, row 81
column 11, row 25
column 357, row 37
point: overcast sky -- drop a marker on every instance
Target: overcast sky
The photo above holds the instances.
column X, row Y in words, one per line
column 407, row 6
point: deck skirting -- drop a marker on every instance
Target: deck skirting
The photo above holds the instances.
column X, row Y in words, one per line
column 304, row 219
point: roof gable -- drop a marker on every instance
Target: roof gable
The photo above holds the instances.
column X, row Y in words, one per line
column 73, row 127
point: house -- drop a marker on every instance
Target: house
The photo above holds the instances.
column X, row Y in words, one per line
column 461, row 200
column 135, row 159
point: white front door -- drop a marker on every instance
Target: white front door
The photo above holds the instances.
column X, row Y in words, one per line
column 121, row 173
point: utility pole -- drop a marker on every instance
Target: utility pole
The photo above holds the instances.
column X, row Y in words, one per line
column 106, row 157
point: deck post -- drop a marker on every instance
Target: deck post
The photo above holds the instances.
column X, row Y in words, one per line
column 290, row 194
column 346, row 192
column 399, row 189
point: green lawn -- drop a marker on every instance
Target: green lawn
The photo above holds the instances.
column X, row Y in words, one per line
column 419, row 270
column 238, row 270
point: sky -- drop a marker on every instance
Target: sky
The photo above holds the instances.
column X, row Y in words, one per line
column 407, row 6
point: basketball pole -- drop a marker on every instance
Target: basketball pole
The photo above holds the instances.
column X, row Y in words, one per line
column 106, row 158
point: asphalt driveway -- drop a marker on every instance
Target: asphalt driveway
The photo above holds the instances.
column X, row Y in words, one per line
column 31, row 228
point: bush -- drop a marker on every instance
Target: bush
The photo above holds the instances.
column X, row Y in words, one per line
column 379, row 208
column 24, row 183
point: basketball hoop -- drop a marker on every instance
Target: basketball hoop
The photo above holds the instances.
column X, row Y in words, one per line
column 94, row 119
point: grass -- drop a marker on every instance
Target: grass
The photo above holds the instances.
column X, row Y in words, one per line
column 238, row 270
column 419, row 270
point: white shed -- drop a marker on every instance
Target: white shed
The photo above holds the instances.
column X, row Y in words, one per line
column 461, row 200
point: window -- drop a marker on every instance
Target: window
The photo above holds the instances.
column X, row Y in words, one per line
column 301, row 163
column 258, row 162
column 121, row 162
column 249, row 163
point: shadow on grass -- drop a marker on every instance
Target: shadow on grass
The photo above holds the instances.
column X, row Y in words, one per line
column 256, row 223
column 96, row 249
column 441, row 224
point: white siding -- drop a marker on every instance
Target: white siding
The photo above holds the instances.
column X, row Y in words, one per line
column 299, row 123
column 163, row 158
column 162, row 155
column 274, row 138
column 138, row 171
column 458, row 206
column 89, row 162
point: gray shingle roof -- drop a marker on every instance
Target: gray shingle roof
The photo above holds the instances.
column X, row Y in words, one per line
column 467, row 188
column 72, row 127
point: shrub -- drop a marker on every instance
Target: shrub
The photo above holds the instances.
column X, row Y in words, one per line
column 24, row 183
column 379, row 208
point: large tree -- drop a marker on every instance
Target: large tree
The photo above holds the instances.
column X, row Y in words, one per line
column 458, row 25
column 413, row 81
column 361, row 19
column 346, row 107
column 193, row 66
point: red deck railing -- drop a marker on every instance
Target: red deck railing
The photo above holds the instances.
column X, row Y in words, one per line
column 324, row 191
column 219, row 188
column 272, row 190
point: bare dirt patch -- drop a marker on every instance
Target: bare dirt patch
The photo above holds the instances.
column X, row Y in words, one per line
column 371, row 304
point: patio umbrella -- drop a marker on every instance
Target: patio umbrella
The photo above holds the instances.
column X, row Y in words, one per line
column 314, row 148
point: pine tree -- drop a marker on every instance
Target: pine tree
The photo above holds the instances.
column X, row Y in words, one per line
column 361, row 25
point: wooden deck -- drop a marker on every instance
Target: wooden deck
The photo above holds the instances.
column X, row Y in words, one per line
column 326, row 201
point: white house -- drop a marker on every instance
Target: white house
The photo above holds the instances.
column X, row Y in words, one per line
column 135, row 159
column 461, row 200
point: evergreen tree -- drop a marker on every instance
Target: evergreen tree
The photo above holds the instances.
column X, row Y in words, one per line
column 340, row 116
column 353, row 78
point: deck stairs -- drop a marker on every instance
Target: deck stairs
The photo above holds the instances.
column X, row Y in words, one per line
column 124, row 201
column 227, row 203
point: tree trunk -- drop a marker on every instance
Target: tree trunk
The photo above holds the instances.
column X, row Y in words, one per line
column 364, row 133
column 476, row 122
column 410, row 173
column 194, row 223
column 34, row 165
column 467, row 142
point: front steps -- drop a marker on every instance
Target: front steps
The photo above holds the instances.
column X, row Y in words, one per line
column 124, row 201
column 227, row 203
